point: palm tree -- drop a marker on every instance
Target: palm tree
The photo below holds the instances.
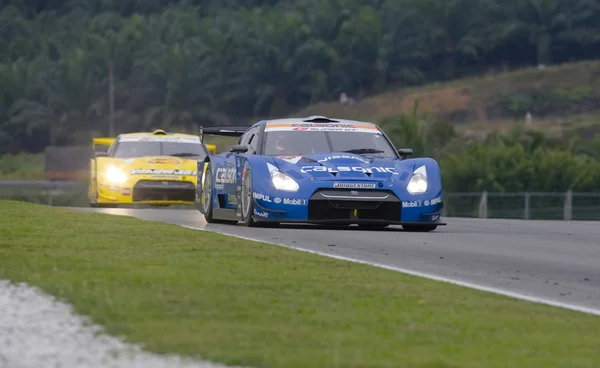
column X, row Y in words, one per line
column 539, row 22
column 451, row 29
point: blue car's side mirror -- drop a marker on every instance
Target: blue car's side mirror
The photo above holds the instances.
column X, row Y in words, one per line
column 238, row 148
column 405, row 152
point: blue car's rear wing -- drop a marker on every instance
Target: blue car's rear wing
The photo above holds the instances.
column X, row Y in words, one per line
column 227, row 130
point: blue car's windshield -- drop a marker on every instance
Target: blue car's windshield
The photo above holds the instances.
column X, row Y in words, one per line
column 129, row 147
column 307, row 142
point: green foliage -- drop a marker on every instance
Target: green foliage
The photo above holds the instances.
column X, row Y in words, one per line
column 517, row 161
column 74, row 67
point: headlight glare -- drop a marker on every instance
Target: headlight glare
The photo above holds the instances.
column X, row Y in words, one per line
column 417, row 184
column 115, row 175
column 283, row 182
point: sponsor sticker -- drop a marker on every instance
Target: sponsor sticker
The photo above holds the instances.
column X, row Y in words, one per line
column 232, row 199
column 260, row 213
column 126, row 191
column 412, row 204
column 436, row 201
column 162, row 172
column 370, row 170
column 295, row 202
column 344, row 157
column 225, row 175
column 320, row 127
column 160, row 138
column 219, row 186
column 277, row 200
column 354, row 185
column 261, row 196
column 164, row 161
column 291, row 159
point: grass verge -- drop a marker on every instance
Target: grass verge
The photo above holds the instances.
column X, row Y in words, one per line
column 239, row 302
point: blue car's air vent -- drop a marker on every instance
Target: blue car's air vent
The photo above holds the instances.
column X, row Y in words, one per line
column 319, row 119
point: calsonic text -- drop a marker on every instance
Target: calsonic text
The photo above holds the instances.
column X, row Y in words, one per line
column 162, row 172
column 306, row 169
column 225, row 175
column 325, row 127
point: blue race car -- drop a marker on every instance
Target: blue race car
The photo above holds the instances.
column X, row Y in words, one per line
column 320, row 171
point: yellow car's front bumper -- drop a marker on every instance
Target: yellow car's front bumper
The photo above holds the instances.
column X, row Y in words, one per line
column 148, row 192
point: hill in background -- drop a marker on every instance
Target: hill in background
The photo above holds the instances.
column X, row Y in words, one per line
column 563, row 100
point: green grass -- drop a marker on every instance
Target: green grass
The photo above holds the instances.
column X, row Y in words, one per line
column 239, row 302
column 22, row 166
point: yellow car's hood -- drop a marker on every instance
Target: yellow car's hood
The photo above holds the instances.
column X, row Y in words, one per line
column 157, row 167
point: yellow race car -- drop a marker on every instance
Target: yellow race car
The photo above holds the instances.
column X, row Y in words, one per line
column 155, row 168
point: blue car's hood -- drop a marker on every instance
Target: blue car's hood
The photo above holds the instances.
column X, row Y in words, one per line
column 339, row 166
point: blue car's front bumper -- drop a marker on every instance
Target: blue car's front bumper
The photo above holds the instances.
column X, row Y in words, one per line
column 322, row 205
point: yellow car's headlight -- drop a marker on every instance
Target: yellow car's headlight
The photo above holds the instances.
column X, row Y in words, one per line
column 115, row 175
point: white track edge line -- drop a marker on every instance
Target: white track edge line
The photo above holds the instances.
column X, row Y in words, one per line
column 429, row 276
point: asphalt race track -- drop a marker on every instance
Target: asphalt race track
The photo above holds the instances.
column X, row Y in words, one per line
column 555, row 261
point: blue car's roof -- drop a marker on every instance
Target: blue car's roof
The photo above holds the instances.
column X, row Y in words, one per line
column 313, row 119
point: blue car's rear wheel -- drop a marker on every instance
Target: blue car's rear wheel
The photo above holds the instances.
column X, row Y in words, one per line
column 207, row 197
column 207, row 200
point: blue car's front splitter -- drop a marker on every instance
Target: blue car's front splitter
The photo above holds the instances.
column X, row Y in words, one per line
column 283, row 216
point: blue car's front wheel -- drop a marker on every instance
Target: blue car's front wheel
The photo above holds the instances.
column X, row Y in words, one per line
column 247, row 202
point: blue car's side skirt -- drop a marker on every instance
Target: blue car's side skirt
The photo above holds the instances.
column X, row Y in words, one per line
column 226, row 214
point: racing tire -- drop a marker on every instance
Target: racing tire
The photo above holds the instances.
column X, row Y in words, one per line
column 207, row 201
column 419, row 228
column 247, row 201
column 101, row 205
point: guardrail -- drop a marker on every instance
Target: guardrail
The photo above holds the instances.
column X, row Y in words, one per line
column 522, row 205
column 38, row 184
column 49, row 189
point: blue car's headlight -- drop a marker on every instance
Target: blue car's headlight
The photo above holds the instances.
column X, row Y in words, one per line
column 283, row 182
column 418, row 182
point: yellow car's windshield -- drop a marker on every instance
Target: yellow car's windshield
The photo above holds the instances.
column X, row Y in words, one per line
column 151, row 146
